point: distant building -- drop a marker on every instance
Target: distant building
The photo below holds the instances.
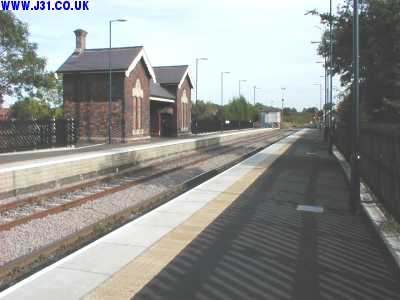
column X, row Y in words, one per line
column 145, row 100
column 270, row 119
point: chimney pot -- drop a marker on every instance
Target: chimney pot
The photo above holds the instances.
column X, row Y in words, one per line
column 80, row 41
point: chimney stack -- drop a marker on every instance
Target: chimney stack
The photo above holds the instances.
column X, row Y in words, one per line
column 80, row 41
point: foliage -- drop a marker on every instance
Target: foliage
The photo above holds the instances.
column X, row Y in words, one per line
column 240, row 110
column 51, row 92
column 379, row 55
column 22, row 71
column 312, row 110
column 300, row 119
column 28, row 109
column 288, row 110
column 204, row 110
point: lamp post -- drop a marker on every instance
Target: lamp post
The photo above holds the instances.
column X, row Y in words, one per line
column 222, row 99
column 330, row 139
column 320, row 94
column 254, row 95
column 240, row 86
column 197, row 73
column 283, row 101
column 320, row 98
column 355, row 156
column 326, row 96
column 110, row 82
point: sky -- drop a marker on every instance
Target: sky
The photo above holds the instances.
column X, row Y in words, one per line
column 267, row 43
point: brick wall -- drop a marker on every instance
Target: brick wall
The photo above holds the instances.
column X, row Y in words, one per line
column 86, row 100
column 93, row 119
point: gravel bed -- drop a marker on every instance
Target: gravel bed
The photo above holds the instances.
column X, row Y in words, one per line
column 24, row 239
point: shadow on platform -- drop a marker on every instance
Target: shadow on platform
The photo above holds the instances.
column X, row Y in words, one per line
column 261, row 247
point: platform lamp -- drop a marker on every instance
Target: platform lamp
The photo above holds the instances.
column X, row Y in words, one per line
column 355, row 155
column 197, row 72
column 255, row 88
column 222, row 99
column 320, row 96
column 197, row 80
column 283, row 98
column 110, row 82
column 240, row 86
column 330, row 122
column 325, row 64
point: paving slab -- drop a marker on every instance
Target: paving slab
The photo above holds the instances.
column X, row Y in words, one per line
column 137, row 235
column 106, row 258
column 60, row 284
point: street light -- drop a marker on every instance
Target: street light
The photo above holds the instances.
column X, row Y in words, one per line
column 197, row 73
column 283, row 101
column 283, row 97
column 110, row 83
column 320, row 94
column 326, row 97
column 355, row 156
column 255, row 88
column 240, row 86
column 330, row 140
column 222, row 99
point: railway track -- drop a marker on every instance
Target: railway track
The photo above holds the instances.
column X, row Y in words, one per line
column 37, row 249
column 23, row 211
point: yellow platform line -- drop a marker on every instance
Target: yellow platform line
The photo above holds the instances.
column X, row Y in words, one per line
column 134, row 276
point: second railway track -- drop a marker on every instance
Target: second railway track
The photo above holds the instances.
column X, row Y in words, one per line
column 23, row 211
column 50, row 226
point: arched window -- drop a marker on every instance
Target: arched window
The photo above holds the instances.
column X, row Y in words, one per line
column 137, row 93
column 184, row 108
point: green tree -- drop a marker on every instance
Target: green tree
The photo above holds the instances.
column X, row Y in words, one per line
column 312, row 110
column 379, row 55
column 22, row 71
column 238, row 110
column 204, row 110
column 29, row 109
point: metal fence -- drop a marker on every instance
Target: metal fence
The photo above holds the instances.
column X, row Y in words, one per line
column 37, row 134
column 215, row 125
column 380, row 161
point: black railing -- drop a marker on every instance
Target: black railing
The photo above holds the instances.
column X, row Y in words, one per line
column 37, row 134
column 202, row 126
column 380, row 161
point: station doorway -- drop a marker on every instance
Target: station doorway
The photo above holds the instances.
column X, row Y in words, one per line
column 162, row 119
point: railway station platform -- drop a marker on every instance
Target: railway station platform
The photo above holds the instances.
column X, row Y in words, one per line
column 13, row 158
column 275, row 226
column 22, row 173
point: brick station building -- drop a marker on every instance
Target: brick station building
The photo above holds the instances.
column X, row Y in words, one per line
column 146, row 100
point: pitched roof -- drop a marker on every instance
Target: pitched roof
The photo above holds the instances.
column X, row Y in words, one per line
column 157, row 90
column 97, row 59
column 171, row 74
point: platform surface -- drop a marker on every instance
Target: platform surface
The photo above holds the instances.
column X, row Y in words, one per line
column 24, row 160
column 276, row 226
column 26, row 156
